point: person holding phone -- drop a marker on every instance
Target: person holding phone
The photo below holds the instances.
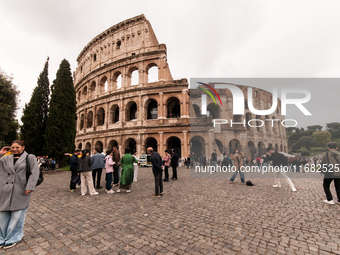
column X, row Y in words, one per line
column 15, row 191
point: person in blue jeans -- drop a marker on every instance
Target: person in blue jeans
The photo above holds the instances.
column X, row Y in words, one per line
column 237, row 158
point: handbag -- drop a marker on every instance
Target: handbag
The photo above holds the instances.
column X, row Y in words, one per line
column 28, row 173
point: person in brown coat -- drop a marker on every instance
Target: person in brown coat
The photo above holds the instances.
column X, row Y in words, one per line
column 237, row 158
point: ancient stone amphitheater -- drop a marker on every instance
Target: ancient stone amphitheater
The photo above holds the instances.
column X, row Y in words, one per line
column 126, row 96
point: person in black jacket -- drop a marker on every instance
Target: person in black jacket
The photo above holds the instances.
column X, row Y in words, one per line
column 174, row 164
column 279, row 160
column 73, row 168
column 157, row 170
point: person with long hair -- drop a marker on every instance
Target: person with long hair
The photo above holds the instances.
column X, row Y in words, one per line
column 85, row 170
column 16, row 186
column 126, row 178
column 237, row 158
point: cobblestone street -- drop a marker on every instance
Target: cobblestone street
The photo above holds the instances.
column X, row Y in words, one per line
column 194, row 216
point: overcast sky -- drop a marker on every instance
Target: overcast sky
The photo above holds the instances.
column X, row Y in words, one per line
column 204, row 38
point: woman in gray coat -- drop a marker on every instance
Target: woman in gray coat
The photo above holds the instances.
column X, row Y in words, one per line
column 15, row 191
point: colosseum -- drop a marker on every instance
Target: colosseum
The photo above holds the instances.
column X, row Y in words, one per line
column 126, row 96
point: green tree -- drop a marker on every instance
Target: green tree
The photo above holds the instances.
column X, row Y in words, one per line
column 305, row 142
column 315, row 127
column 61, row 131
column 34, row 119
column 333, row 126
column 322, row 137
column 8, row 107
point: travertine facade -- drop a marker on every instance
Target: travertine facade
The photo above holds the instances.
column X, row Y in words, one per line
column 118, row 103
column 263, row 131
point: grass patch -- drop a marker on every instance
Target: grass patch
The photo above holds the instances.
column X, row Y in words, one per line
column 65, row 168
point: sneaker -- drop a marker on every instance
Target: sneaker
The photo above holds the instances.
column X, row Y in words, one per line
column 277, row 186
column 156, row 196
column 231, row 182
column 95, row 193
column 128, row 191
column 9, row 245
column 71, row 190
column 110, row 191
column 293, row 189
column 242, row 183
column 83, row 194
column 329, row 202
column 118, row 190
column 134, row 180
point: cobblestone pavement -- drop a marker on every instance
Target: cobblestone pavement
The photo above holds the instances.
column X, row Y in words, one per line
column 194, row 216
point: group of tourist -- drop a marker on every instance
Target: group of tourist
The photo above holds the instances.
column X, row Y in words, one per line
column 19, row 173
column 46, row 163
column 121, row 172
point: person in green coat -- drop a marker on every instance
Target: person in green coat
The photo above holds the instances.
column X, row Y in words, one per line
column 126, row 178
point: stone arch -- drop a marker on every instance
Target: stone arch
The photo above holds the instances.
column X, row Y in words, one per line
column 151, row 109
column 101, row 117
column 99, row 145
column 270, row 145
column 114, row 114
column 252, row 149
column 130, row 143
column 88, row 146
column 152, row 72
column 80, row 146
column 151, row 142
column 214, row 111
column 112, row 144
column 173, row 107
column 219, row 145
column 197, row 110
column 82, row 120
column 261, row 147
column 132, row 75
column 234, row 144
column 173, row 142
column 84, row 93
column 89, row 119
column 102, row 86
column 197, row 146
column 93, row 89
column 117, row 80
column 131, row 111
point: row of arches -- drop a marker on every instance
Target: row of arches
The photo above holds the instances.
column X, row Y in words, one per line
column 172, row 142
column 131, row 78
column 131, row 109
column 215, row 112
column 197, row 145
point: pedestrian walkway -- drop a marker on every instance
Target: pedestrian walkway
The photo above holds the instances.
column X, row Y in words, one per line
column 194, row 216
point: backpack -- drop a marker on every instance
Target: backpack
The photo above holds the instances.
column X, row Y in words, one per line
column 28, row 173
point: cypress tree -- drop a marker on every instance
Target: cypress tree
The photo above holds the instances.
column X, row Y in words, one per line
column 8, row 107
column 61, row 130
column 34, row 119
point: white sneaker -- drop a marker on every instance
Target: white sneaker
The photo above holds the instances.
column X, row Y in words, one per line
column 329, row 202
column 277, row 186
column 128, row 191
column 95, row 193
column 118, row 190
column 293, row 189
column 83, row 194
column 110, row 191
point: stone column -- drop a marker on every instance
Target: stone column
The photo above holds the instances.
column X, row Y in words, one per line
column 139, row 111
column 185, row 143
column 107, row 116
column 161, row 142
column 161, row 106
column 184, row 113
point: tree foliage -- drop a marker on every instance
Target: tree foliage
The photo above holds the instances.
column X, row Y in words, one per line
column 305, row 142
column 8, row 107
column 34, row 119
column 60, row 132
column 315, row 127
column 322, row 137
